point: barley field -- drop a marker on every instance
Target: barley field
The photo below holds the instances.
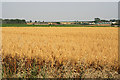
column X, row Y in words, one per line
column 59, row 52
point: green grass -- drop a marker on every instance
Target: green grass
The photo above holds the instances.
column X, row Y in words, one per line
column 24, row 25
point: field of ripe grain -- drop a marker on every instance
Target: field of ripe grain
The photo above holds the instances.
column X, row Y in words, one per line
column 62, row 51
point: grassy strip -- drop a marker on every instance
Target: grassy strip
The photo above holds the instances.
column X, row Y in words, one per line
column 24, row 25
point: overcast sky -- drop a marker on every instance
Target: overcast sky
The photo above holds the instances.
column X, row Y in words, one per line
column 60, row 11
column 60, row 0
column 0, row 10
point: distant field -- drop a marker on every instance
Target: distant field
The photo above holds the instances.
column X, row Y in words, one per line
column 50, row 52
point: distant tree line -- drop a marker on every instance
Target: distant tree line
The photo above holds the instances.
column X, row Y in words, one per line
column 13, row 21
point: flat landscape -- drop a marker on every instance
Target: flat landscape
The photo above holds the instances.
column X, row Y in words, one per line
column 60, row 52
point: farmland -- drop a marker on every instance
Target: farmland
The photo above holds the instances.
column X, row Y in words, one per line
column 59, row 52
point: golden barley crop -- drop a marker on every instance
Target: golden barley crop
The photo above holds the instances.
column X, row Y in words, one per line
column 58, row 46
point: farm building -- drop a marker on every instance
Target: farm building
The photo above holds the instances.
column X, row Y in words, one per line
column 67, row 23
column 40, row 23
column 30, row 23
